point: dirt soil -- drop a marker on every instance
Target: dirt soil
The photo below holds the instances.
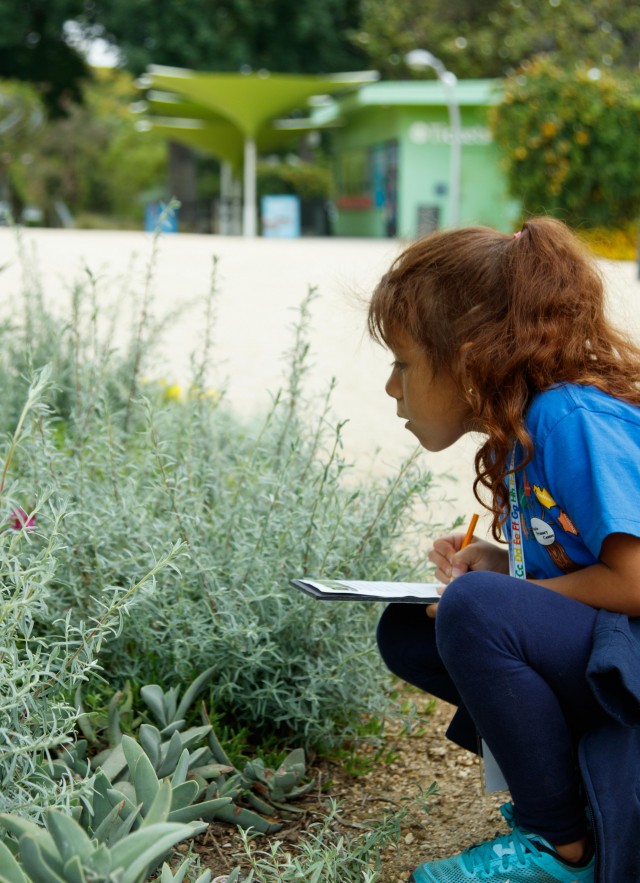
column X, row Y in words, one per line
column 459, row 814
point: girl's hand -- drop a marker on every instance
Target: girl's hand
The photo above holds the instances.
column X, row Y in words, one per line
column 451, row 561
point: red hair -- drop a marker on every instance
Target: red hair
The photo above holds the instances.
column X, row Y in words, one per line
column 507, row 317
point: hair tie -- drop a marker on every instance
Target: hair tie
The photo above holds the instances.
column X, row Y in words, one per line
column 517, row 235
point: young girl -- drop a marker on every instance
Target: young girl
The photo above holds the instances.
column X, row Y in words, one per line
column 537, row 645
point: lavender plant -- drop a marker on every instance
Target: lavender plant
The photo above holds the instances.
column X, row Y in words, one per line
column 117, row 473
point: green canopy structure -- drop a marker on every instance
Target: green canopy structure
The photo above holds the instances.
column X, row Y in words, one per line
column 233, row 116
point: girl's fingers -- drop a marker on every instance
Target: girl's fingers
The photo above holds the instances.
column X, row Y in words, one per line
column 432, row 610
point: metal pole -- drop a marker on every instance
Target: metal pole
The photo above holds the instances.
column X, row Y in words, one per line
column 249, row 220
column 419, row 59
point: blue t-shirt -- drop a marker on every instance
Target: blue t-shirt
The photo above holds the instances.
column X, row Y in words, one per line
column 583, row 482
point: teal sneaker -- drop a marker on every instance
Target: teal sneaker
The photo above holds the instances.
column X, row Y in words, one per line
column 517, row 857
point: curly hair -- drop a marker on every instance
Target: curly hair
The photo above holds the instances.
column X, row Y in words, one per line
column 507, row 316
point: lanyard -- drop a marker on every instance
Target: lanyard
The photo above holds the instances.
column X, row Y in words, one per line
column 516, row 548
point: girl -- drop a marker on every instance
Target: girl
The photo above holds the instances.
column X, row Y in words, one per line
column 537, row 646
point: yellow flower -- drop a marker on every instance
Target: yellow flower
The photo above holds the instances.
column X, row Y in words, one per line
column 520, row 152
column 172, row 393
column 581, row 137
column 549, row 130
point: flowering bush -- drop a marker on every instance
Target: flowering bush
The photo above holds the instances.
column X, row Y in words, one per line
column 570, row 145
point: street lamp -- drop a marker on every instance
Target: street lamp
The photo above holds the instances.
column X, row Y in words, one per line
column 420, row 60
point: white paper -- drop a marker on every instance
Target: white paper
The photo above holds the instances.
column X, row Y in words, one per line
column 424, row 591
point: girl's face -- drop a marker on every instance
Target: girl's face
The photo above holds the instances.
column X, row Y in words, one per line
column 432, row 405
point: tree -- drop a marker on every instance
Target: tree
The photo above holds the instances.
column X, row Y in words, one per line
column 492, row 38
column 33, row 48
column 225, row 35
column 94, row 160
column 570, row 143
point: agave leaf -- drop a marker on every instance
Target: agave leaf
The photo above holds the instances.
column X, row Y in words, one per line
column 167, row 877
column 150, row 739
column 128, row 822
column 193, row 735
column 173, row 753
column 181, row 770
column 154, row 698
column 211, row 770
column 10, row 868
column 205, row 811
column 294, row 760
column 113, row 763
column 125, row 791
column 108, row 824
column 160, row 807
column 216, row 748
column 132, row 752
column 190, row 695
column 146, row 783
column 145, row 847
column 100, row 861
column 206, row 877
column 170, row 700
column 34, row 862
column 184, row 795
column 245, row 818
column 172, row 728
column 113, row 720
column 20, row 827
column 73, row 872
column 261, row 806
column 68, row 836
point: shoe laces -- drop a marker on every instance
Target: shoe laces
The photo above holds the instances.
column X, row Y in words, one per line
column 509, row 851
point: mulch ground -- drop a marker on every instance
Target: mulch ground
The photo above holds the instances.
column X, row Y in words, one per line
column 457, row 815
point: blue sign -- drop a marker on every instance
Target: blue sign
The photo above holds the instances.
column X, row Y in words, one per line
column 158, row 217
column 280, row 216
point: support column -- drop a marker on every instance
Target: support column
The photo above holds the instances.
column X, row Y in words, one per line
column 249, row 219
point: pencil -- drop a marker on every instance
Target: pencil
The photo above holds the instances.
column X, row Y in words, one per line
column 469, row 534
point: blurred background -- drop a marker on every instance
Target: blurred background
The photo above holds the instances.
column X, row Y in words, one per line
column 338, row 117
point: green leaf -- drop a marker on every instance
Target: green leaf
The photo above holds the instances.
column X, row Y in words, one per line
column 153, row 696
column 184, row 794
column 145, row 782
column 114, row 763
column 191, row 693
column 20, row 827
column 181, row 770
column 159, row 809
column 145, row 847
column 206, row 811
column 173, row 755
column 150, row 740
column 73, row 872
column 10, row 867
column 68, row 836
column 35, row 863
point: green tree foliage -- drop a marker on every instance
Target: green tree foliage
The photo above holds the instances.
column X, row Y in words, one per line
column 280, row 35
column 33, row 48
column 94, row 159
column 570, row 143
column 490, row 39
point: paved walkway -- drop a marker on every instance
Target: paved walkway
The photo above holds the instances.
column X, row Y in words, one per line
column 262, row 282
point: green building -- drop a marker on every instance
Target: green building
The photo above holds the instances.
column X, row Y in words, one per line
column 393, row 159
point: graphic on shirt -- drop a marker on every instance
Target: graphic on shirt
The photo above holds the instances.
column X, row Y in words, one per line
column 547, row 521
column 543, row 532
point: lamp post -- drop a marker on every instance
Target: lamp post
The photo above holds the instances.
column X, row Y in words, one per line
column 419, row 60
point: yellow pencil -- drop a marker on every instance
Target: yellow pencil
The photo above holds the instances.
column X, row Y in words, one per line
column 469, row 534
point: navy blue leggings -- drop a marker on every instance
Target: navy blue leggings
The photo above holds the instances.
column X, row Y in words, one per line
column 512, row 656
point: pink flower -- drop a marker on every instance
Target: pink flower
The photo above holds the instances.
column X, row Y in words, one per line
column 19, row 520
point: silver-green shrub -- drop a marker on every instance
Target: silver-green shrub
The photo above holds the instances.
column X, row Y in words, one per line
column 254, row 503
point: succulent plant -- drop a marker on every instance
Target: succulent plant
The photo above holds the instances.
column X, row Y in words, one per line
column 62, row 852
